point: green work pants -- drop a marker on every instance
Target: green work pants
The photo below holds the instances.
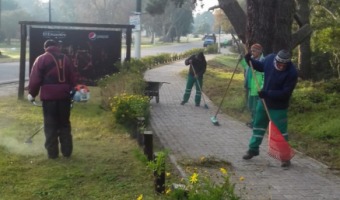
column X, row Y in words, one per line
column 191, row 80
column 252, row 102
column 279, row 118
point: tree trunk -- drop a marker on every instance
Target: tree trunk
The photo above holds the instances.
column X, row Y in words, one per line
column 270, row 24
column 304, row 63
column 236, row 16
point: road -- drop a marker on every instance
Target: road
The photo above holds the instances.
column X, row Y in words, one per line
column 9, row 72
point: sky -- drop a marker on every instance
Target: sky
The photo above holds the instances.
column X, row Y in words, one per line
column 207, row 5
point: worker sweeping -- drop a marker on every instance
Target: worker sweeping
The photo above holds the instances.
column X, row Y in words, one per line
column 197, row 68
column 280, row 79
column 250, row 84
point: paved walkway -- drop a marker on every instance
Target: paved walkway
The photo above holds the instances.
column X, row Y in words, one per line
column 188, row 133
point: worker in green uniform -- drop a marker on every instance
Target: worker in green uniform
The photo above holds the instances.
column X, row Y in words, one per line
column 250, row 83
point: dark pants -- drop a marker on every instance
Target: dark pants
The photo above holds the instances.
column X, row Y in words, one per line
column 57, row 127
column 190, row 83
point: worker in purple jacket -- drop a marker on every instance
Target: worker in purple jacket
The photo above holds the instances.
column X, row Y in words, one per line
column 53, row 74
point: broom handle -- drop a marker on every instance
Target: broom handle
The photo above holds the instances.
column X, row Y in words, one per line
column 196, row 78
column 225, row 93
column 258, row 89
column 198, row 83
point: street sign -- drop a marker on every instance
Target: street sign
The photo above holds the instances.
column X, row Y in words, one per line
column 135, row 20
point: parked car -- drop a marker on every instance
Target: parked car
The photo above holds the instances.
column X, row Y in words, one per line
column 208, row 40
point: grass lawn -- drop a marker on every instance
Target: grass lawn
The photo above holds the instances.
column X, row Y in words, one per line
column 105, row 163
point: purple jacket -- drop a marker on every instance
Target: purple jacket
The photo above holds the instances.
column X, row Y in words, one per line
column 53, row 74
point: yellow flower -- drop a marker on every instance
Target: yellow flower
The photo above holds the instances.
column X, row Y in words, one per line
column 168, row 191
column 140, row 197
column 194, row 178
column 168, row 174
column 241, row 178
column 224, row 171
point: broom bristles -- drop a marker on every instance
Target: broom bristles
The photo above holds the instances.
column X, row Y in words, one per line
column 278, row 147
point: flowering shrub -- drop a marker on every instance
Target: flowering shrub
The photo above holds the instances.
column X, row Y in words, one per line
column 202, row 187
column 127, row 108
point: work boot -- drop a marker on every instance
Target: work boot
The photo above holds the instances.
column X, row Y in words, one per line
column 285, row 163
column 250, row 154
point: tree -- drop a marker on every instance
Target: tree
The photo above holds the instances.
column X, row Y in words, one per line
column 268, row 22
column 302, row 18
column 203, row 23
column 176, row 21
column 221, row 21
column 184, row 25
column 326, row 37
column 105, row 11
column 10, row 23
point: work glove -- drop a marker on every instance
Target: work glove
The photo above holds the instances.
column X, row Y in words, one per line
column 262, row 94
column 30, row 98
column 247, row 57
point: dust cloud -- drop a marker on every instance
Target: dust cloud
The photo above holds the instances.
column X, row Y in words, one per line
column 17, row 146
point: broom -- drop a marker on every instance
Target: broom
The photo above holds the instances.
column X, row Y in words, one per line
column 278, row 147
column 213, row 118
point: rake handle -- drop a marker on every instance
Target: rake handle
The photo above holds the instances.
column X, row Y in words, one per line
column 258, row 89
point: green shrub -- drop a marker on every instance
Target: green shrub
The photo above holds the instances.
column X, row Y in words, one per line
column 129, row 80
column 158, row 164
column 127, row 108
column 332, row 86
column 211, row 49
column 191, row 52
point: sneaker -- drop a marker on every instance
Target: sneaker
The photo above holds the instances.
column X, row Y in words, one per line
column 197, row 104
column 183, row 102
column 250, row 154
column 285, row 163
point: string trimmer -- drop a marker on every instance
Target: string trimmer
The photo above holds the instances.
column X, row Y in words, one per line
column 29, row 140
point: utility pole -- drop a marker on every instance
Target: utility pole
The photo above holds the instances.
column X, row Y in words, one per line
column 138, row 31
column 49, row 11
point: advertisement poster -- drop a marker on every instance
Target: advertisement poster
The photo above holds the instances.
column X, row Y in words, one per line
column 93, row 52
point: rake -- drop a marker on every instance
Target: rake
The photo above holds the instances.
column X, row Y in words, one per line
column 278, row 147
